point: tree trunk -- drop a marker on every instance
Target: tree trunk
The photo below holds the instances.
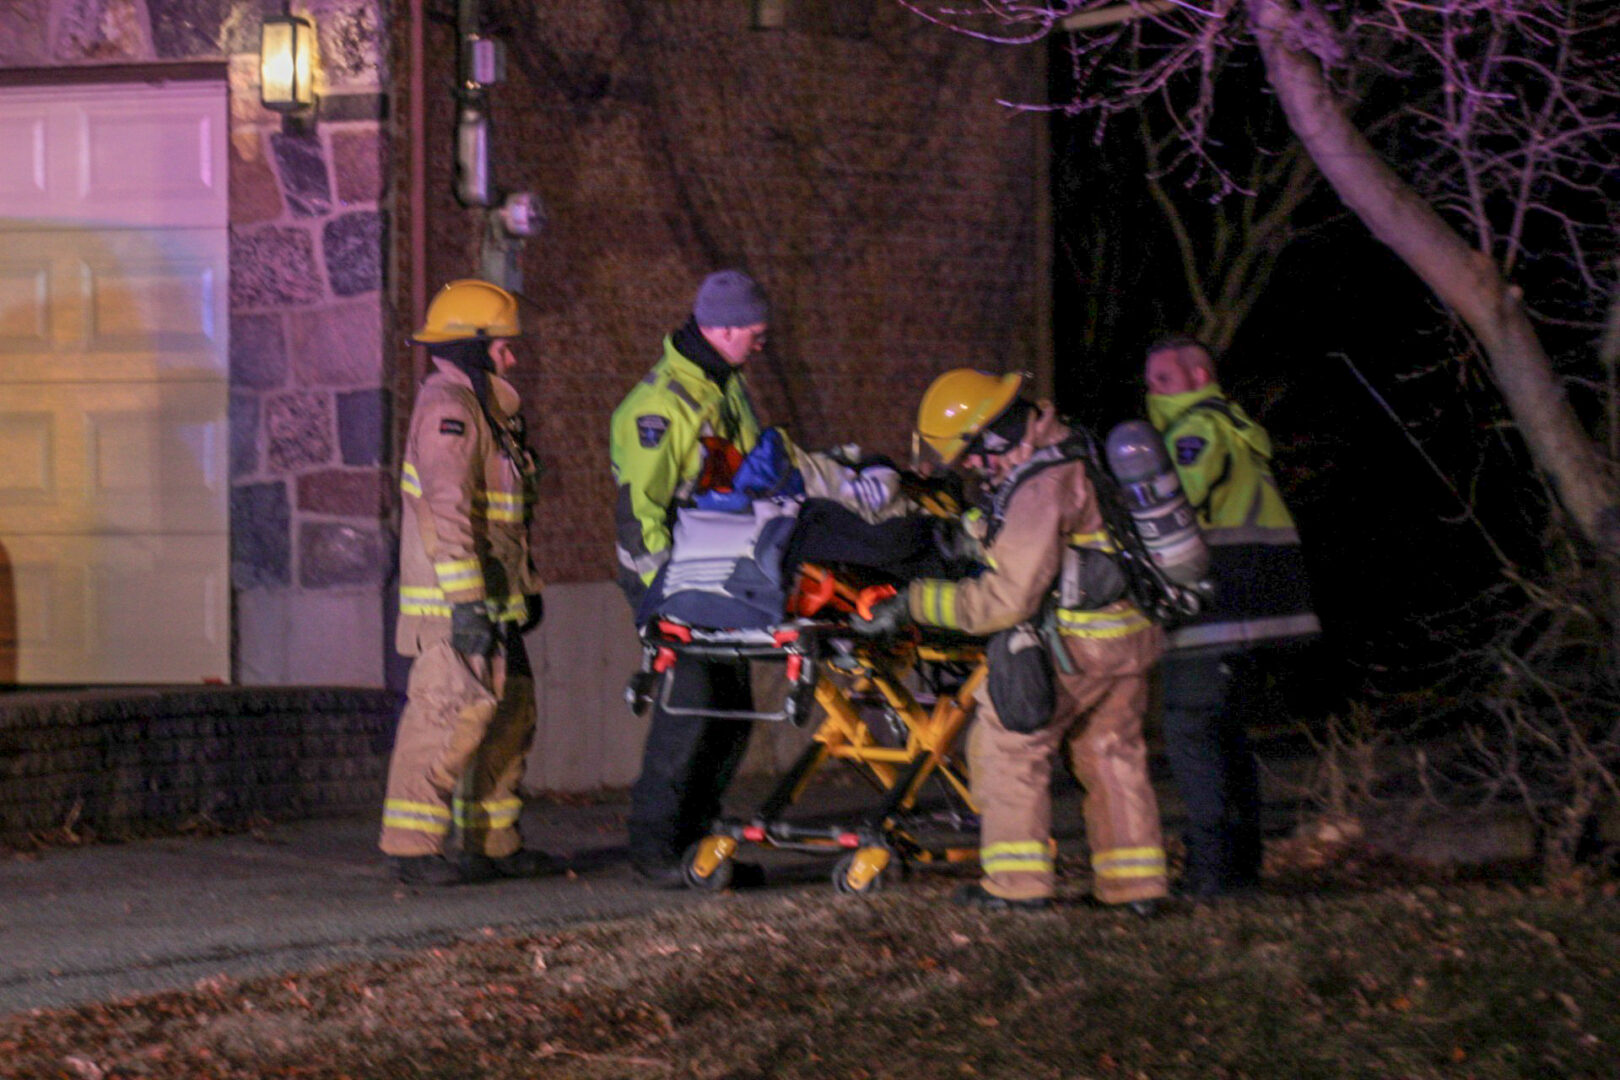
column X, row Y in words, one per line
column 1467, row 281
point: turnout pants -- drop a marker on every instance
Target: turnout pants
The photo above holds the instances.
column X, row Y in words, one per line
column 1098, row 724
column 459, row 754
column 688, row 762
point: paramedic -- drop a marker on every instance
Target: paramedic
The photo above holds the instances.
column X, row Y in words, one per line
column 1043, row 507
column 1261, row 600
column 466, row 589
column 695, row 390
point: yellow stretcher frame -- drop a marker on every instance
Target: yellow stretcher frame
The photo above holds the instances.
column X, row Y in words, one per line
column 840, row 671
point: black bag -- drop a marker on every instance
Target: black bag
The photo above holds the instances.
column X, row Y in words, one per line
column 1021, row 679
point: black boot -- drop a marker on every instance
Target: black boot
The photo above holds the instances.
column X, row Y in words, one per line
column 520, row 864
column 424, row 870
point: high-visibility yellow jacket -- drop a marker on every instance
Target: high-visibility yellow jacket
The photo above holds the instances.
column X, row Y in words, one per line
column 467, row 498
column 1049, row 511
column 658, row 455
column 1224, row 460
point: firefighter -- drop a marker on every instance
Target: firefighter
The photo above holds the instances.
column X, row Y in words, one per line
column 1086, row 696
column 1261, row 601
column 467, row 592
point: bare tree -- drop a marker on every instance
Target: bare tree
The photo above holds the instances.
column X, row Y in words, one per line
column 1506, row 113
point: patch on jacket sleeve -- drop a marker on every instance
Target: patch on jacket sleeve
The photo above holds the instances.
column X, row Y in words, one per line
column 447, row 426
column 650, row 430
column 1188, row 447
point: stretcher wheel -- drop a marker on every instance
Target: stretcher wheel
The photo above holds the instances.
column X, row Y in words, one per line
column 707, row 864
column 860, row 873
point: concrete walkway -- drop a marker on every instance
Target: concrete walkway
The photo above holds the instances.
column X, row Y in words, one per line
column 106, row 921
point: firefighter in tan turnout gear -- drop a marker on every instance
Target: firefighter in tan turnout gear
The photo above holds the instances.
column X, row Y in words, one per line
column 1087, row 695
column 467, row 590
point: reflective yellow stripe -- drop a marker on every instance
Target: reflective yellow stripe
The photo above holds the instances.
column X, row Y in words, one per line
column 1026, row 856
column 503, row 506
column 490, row 814
column 1138, row 862
column 1101, row 624
column 416, row 817
column 1096, row 541
column 430, row 600
column 458, row 574
column 409, row 482
column 939, row 603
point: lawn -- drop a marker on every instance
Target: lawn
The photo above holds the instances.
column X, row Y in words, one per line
column 1349, row 967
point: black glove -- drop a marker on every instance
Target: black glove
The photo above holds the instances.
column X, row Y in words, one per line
column 535, row 608
column 888, row 617
column 472, row 633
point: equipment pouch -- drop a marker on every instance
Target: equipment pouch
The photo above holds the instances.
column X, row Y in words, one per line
column 1021, row 680
column 1090, row 580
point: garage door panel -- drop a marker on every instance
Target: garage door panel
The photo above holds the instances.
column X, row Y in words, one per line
column 121, row 609
column 114, row 478
column 113, row 157
column 118, row 457
column 25, row 309
column 114, row 306
column 24, row 170
column 28, row 449
column 156, row 458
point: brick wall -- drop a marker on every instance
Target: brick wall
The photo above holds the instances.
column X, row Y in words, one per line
column 132, row 759
column 866, row 176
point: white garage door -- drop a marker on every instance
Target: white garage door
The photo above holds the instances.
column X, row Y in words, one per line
column 113, row 359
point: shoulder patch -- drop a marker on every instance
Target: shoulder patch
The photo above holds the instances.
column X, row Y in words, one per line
column 1188, row 447
column 448, row 426
column 650, row 430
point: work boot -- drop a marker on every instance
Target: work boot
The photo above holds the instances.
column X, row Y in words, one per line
column 520, row 864
column 975, row 896
column 659, row 875
column 424, row 870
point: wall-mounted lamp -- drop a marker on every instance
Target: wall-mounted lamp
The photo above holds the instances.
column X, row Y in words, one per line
column 287, row 63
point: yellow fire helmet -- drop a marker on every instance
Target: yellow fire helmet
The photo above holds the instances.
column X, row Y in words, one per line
column 469, row 308
column 960, row 404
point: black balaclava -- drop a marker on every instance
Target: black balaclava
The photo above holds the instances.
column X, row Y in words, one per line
column 1005, row 432
column 471, row 355
column 690, row 343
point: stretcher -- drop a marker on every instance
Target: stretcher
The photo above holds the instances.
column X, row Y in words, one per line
column 890, row 709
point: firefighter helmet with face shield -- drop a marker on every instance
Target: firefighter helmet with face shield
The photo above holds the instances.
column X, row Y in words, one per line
column 958, row 406
column 469, row 309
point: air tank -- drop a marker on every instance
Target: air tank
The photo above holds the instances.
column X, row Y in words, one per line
column 1164, row 518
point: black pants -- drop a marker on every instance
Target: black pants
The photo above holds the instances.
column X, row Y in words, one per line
column 1206, row 700
column 688, row 762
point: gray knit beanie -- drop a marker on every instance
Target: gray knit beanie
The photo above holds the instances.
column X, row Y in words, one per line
column 730, row 298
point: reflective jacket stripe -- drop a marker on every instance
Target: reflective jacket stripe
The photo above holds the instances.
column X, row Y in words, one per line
column 938, row 600
column 430, row 600
column 1136, row 862
column 416, row 817
column 410, row 482
column 1106, row 623
column 458, row 575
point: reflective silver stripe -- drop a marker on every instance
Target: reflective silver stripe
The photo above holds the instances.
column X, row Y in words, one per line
column 1280, row 536
column 1138, row 862
column 1229, row 633
column 1101, row 624
column 643, row 566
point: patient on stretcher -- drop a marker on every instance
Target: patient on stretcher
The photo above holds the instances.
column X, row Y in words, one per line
column 736, row 551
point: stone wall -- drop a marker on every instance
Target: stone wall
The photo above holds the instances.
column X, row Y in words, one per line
column 311, row 462
column 116, row 761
